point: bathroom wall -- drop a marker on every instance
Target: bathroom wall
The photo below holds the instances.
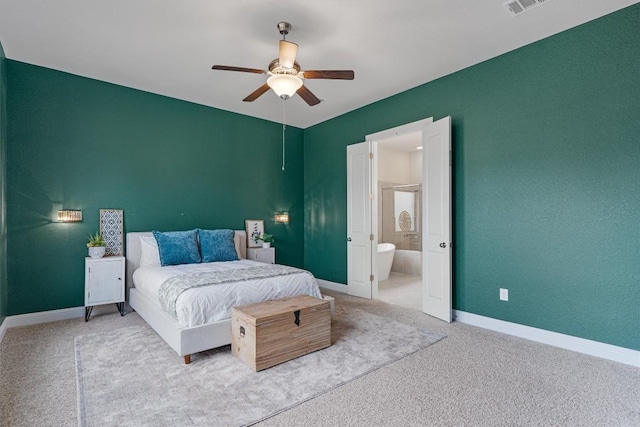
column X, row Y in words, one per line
column 415, row 167
column 395, row 167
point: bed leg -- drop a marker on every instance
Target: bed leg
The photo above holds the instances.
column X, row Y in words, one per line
column 187, row 359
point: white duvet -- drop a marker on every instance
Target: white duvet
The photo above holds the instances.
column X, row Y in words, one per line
column 207, row 304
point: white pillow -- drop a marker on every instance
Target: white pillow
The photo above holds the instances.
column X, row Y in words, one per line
column 236, row 243
column 149, row 255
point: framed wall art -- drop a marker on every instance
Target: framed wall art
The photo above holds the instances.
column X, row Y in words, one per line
column 111, row 225
column 255, row 228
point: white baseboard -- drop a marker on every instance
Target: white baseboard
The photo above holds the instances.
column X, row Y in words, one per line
column 43, row 317
column 50, row 316
column 3, row 329
column 568, row 342
column 332, row 286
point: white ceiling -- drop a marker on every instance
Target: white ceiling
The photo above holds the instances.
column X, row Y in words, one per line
column 407, row 142
column 168, row 47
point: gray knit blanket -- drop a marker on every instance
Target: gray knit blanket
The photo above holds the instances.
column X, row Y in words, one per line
column 171, row 288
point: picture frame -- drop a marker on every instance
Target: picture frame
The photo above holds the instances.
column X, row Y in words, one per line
column 111, row 225
column 254, row 228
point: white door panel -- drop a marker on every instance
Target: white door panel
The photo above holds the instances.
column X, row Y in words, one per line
column 434, row 266
column 436, row 140
column 435, row 215
column 359, row 245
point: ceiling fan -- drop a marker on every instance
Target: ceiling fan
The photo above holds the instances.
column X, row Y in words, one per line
column 285, row 75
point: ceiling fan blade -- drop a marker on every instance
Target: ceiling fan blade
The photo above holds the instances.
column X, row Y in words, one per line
column 287, row 55
column 244, row 70
column 307, row 96
column 257, row 93
column 329, row 74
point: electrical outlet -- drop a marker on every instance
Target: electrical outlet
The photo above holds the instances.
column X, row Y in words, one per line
column 504, row 294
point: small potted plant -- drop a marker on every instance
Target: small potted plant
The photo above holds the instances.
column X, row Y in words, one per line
column 97, row 246
column 267, row 240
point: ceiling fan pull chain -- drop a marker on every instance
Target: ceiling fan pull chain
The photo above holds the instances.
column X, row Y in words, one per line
column 284, row 127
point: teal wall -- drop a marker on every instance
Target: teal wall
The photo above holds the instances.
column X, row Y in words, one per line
column 3, row 186
column 546, row 179
column 82, row 144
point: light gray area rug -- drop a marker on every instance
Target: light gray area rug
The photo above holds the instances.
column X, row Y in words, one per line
column 131, row 377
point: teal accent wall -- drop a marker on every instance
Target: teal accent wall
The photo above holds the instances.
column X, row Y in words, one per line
column 3, row 186
column 546, row 178
column 78, row 143
column 546, row 144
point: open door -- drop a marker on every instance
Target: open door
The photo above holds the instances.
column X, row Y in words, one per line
column 359, row 237
column 436, row 219
column 436, row 244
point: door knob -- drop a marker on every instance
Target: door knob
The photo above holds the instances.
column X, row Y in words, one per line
column 443, row 245
column 348, row 239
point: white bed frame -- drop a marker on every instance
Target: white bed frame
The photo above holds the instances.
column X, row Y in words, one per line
column 185, row 341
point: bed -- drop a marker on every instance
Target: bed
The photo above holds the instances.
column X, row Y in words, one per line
column 186, row 330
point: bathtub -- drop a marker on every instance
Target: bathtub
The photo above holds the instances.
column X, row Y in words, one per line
column 407, row 262
column 385, row 259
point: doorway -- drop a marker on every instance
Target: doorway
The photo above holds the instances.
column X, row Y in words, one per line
column 399, row 209
column 363, row 233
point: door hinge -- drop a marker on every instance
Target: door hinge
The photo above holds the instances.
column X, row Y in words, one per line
column 450, row 158
column 370, row 196
column 370, row 236
column 371, row 156
column 371, row 278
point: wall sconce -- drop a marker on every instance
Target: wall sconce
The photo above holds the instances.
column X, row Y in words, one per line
column 282, row 217
column 69, row 216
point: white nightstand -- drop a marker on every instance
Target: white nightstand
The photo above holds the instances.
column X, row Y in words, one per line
column 103, row 283
column 266, row 255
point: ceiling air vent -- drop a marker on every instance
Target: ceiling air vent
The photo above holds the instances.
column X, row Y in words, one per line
column 517, row 7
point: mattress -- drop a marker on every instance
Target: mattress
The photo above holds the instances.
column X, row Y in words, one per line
column 207, row 304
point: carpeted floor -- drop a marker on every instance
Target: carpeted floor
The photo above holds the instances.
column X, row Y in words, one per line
column 130, row 377
column 474, row 377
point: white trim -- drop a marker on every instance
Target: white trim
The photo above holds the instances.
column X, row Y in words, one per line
column 332, row 286
column 3, row 329
column 568, row 342
column 43, row 317
column 400, row 130
column 49, row 316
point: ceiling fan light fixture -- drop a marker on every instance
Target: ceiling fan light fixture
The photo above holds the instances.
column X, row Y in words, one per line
column 284, row 85
column 285, row 73
column 287, row 55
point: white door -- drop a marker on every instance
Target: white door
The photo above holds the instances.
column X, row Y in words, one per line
column 436, row 236
column 359, row 244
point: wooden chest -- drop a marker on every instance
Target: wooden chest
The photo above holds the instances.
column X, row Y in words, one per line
column 267, row 333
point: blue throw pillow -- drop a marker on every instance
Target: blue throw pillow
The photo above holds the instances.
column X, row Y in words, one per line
column 217, row 245
column 177, row 247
